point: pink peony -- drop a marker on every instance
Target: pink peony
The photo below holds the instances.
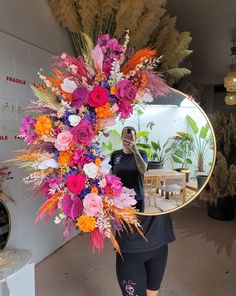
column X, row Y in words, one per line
column 98, row 96
column 72, row 207
column 76, row 183
column 126, row 198
column 125, row 90
column 83, row 132
column 113, row 186
column 79, row 96
column 64, row 140
column 92, row 204
column 79, row 158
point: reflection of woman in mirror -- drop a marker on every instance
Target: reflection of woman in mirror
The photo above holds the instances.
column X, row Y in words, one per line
column 141, row 272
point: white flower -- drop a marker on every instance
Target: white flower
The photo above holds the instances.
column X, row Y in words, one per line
column 102, row 183
column 68, row 85
column 74, row 120
column 105, row 167
column 48, row 163
column 91, row 170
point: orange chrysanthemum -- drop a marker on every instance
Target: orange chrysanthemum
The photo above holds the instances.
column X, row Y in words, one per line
column 86, row 223
column 43, row 125
column 64, row 158
column 104, row 111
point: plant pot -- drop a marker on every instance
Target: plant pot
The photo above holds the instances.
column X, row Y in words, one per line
column 224, row 210
column 201, row 180
column 155, row 165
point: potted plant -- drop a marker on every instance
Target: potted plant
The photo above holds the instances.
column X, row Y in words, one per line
column 201, row 145
column 183, row 147
column 220, row 191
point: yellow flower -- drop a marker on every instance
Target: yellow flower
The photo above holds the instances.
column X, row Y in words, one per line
column 86, row 223
column 94, row 190
column 98, row 161
column 113, row 90
column 43, row 125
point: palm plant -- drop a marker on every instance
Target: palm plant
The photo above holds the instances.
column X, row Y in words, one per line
column 202, row 142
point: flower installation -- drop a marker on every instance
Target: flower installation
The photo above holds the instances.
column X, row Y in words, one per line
column 64, row 128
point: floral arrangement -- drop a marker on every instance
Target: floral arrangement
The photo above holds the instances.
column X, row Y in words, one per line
column 64, row 130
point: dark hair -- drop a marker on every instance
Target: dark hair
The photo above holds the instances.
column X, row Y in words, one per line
column 131, row 127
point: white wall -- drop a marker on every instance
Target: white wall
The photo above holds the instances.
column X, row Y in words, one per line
column 21, row 60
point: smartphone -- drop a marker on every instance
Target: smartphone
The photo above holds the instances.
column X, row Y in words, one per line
column 128, row 134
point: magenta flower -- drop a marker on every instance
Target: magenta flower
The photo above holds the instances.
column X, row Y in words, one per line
column 26, row 129
column 125, row 109
column 72, row 207
column 83, row 133
column 75, row 183
column 79, row 96
column 113, row 186
column 126, row 90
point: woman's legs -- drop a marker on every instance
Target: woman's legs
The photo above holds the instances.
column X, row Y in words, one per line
column 155, row 268
column 142, row 273
column 131, row 275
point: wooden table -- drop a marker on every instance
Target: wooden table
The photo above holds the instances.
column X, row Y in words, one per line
column 165, row 175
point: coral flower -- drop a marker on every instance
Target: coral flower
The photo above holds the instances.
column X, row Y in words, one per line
column 43, row 125
column 86, row 223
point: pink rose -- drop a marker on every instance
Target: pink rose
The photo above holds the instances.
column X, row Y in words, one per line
column 125, row 90
column 76, row 183
column 63, row 140
column 92, row 204
column 79, row 96
column 98, row 96
column 113, row 186
column 83, row 132
column 126, row 199
column 72, row 207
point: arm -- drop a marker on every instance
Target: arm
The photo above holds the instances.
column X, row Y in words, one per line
column 141, row 164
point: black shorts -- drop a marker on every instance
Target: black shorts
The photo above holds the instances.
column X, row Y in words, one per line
column 141, row 271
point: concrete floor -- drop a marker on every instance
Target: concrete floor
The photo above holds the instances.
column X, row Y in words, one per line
column 202, row 262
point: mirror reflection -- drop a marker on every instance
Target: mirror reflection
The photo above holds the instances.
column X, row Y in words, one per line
column 179, row 143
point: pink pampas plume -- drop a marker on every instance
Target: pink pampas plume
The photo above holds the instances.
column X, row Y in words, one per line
column 97, row 240
column 156, row 85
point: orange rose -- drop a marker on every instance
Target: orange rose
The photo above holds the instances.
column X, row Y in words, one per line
column 86, row 223
column 64, row 158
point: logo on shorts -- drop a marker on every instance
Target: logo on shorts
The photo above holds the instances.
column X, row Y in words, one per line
column 129, row 287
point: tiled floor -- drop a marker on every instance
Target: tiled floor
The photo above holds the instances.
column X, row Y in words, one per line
column 202, row 262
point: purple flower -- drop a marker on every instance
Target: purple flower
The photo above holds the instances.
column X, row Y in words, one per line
column 103, row 39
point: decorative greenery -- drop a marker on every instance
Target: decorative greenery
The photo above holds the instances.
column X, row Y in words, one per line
column 223, row 179
column 202, row 142
column 147, row 21
column 183, row 147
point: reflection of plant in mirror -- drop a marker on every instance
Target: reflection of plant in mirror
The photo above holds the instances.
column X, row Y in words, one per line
column 202, row 142
column 114, row 142
column 183, row 147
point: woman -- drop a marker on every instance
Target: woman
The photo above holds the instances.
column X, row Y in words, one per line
column 141, row 270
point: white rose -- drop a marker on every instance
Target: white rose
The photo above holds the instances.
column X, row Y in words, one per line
column 74, row 120
column 68, row 85
column 91, row 170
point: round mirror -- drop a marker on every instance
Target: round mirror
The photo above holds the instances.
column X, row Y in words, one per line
column 180, row 143
column 4, row 225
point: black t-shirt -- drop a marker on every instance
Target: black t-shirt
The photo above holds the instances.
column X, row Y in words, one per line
column 158, row 230
column 124, row 166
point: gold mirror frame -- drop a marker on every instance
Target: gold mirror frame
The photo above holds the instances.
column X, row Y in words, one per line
column 210, row 172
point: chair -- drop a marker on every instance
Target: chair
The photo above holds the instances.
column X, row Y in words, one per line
column 151, row 188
